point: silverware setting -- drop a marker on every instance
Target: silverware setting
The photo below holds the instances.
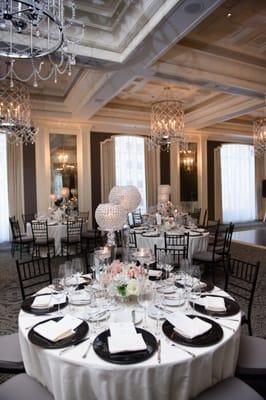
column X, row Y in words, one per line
column 84, row 355
column 159, row 351
column 163, row 308
column 74, row 345
column 185, row 350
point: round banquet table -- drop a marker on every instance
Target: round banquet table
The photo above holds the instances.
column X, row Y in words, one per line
column 178, row 377
column 196, row 243
column 56, row 231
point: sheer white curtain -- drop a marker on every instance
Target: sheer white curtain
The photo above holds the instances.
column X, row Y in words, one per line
column 130, row 164
column 238, row 183
column 4, row 212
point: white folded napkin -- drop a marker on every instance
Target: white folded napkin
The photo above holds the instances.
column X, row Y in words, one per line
column 213, row 303
column 42, row 301
column 55, row 331
column 188, row 327
column 154, row 273
column 124, row 338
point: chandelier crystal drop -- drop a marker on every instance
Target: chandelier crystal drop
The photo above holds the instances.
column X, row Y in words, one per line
column 259, row 136
column 37, row 31
column 167, row 121
column 15, row 113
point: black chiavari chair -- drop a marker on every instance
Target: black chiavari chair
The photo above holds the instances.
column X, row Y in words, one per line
column 43, row 244
column 71, row 244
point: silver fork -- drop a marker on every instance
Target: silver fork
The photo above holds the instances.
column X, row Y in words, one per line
column 163, row 309
column 84, row 355
column 185, row 350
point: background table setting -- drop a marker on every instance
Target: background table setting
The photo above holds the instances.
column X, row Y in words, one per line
column 124, row 335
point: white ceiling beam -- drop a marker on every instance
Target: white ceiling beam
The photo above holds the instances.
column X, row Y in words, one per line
column 171, row 29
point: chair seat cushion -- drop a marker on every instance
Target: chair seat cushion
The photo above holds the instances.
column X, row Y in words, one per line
column 206, row 256
column 71, row 239
column 230, row 389
column 10, row 354
column 23, row 387
column 252, row 356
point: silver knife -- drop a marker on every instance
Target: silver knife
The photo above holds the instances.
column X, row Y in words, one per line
column 73, row 345
column 159, row 352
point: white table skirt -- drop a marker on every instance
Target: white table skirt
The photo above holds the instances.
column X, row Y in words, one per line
column 57, row 232
column 178, row 377
column 196, row 243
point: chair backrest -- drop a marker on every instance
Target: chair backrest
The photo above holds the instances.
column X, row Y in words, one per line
column 177, row 242
column 74, row 228
column 33, row 275
column 137, row 217
column 205, row 218
column 177, row 255
column 132, row 240
column 240, row 280
column 27, row 218
column 15, row 228
column 228, row 239
column 39, row 230
column 196, row 214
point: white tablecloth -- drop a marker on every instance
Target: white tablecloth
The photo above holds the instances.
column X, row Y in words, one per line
column 178, row 377
column 196, row 243
column 57, row 232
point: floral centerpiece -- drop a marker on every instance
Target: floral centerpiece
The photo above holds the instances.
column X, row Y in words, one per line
column 124, row 276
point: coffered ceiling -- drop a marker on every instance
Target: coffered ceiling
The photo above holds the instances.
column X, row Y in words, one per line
column 211, row 53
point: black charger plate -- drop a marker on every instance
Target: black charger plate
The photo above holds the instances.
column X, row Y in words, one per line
column 231, row 306
column 213, row 336
column 26, row 306
column 100, row 346
column 79, row 333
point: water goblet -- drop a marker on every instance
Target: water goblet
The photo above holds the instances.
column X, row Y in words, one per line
column 59, row 294
column 145, row 299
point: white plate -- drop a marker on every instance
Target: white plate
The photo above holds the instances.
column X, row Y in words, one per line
column 167, row 289
column 153, row 312
column 99, row 316
column 174, row 302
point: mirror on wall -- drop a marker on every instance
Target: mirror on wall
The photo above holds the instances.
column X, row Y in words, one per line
column 63, row 158
column 189, row 173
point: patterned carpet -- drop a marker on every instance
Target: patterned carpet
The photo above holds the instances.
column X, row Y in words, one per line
column 10, row 297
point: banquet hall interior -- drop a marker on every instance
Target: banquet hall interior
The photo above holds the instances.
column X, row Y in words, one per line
column 133, row 199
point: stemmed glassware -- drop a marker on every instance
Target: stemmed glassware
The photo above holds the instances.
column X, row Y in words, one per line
column 195, row 288
column 59, row 294
column 145, row 298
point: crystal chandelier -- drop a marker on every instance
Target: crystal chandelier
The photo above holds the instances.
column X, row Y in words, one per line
column 167, row 121
column 38, row 31
column 259, row 136
column 15, row 113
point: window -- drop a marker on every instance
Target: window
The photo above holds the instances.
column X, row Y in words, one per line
column 4, row 212
column 130, row 164
column 238, row 183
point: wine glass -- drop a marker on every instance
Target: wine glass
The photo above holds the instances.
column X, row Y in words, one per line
column 196, row 288
column 145, row 299
column 77, row 267
column 59, row 294
column 169, row 264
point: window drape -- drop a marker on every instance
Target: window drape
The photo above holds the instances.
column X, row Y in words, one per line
column 4, row 213
column 259, row 176
column 152, row 171
column 238, row 183
column 107, row 168
column 130, row 164
column 217, row 185
column 15, row 181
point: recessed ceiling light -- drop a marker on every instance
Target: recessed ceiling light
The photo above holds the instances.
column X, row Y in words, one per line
column 229, row 15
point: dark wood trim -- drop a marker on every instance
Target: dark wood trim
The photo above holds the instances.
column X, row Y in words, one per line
column 29, row 179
